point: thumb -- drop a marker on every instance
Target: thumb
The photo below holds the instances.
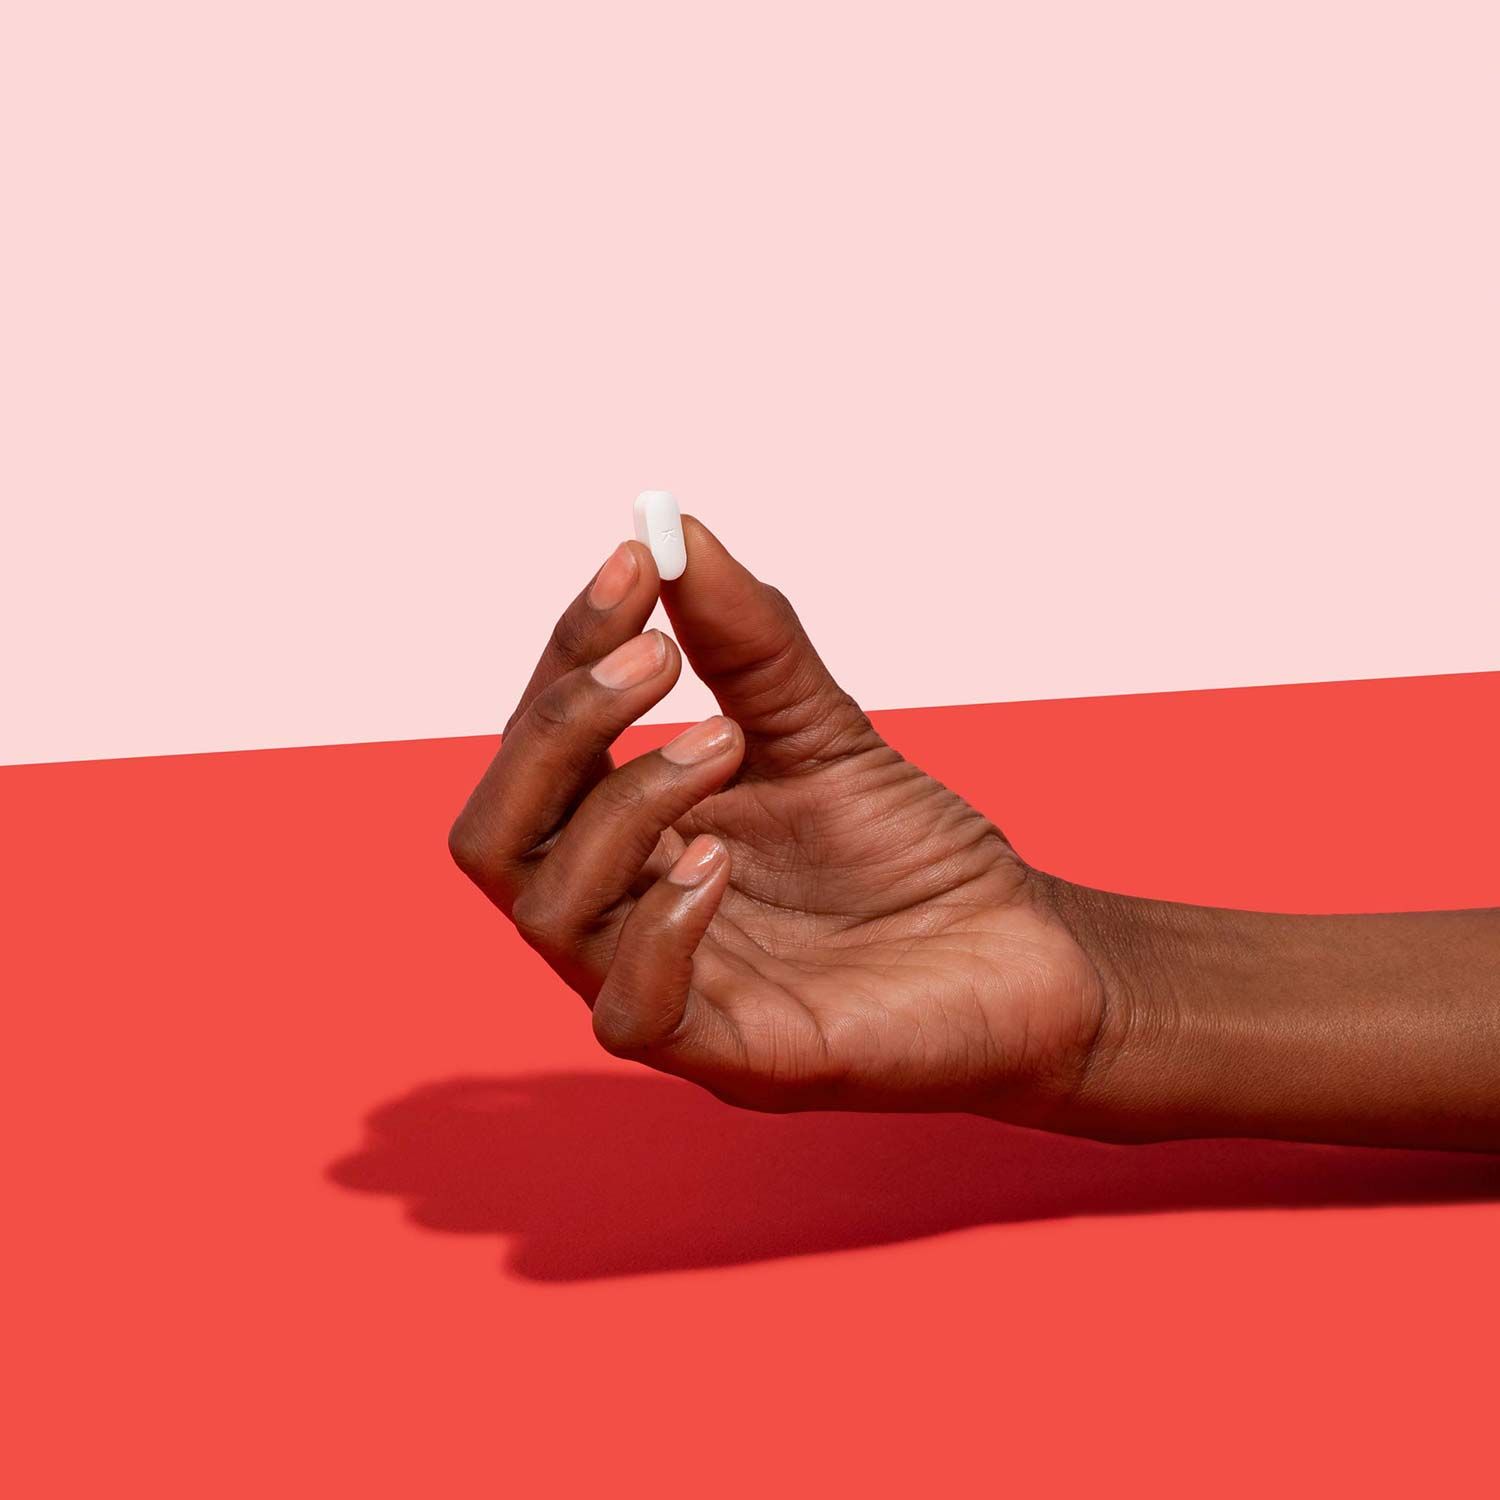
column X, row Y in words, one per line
column 745, row 641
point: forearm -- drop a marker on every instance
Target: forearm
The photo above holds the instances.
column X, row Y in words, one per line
column 1373, row 1030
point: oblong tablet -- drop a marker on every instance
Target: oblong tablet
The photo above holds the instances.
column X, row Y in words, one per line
column 658, row 523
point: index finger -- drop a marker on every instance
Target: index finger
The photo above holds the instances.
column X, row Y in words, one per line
column 613, row 607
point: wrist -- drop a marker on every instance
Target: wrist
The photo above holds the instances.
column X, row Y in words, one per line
column 1182, row 1048
column 1119, row 1090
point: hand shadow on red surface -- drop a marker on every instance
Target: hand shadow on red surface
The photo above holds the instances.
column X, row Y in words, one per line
column 605, row 1174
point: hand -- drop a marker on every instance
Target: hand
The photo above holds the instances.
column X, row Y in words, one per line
column 780, row 907
column 776, row 905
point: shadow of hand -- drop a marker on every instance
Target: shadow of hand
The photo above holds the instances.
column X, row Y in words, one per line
column 605, row 1174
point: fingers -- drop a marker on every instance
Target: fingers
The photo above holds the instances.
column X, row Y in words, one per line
column 550, row 757
column 615, row 606
column 570, row 898
column 609, row 612
column 646, row 999
column 745, row 641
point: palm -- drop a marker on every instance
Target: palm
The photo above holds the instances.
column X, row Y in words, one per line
column 877, row 941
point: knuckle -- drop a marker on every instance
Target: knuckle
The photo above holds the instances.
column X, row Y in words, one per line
column 622, row 795
column 570, row 638
column 780, row 604
column 615, row 1032
column 465, row 846
column 553, row 709
column 540, row 920
column 477, row 856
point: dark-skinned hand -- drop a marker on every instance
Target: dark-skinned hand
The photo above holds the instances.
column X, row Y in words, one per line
column 776, row 905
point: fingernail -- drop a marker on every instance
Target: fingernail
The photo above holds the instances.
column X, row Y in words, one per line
column 697, row 862
column 613, row 581
column 700, row 742
column 642, row 656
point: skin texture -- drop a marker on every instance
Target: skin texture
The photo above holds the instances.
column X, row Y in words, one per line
column 797, row 917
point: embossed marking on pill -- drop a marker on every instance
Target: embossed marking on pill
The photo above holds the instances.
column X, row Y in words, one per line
column 658, row 523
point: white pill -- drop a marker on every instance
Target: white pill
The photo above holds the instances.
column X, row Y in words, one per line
column 658, row 523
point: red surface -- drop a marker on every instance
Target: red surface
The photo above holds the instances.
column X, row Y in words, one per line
column 320, row 1187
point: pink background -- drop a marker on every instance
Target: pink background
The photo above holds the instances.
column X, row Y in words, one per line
column 1033, row 349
